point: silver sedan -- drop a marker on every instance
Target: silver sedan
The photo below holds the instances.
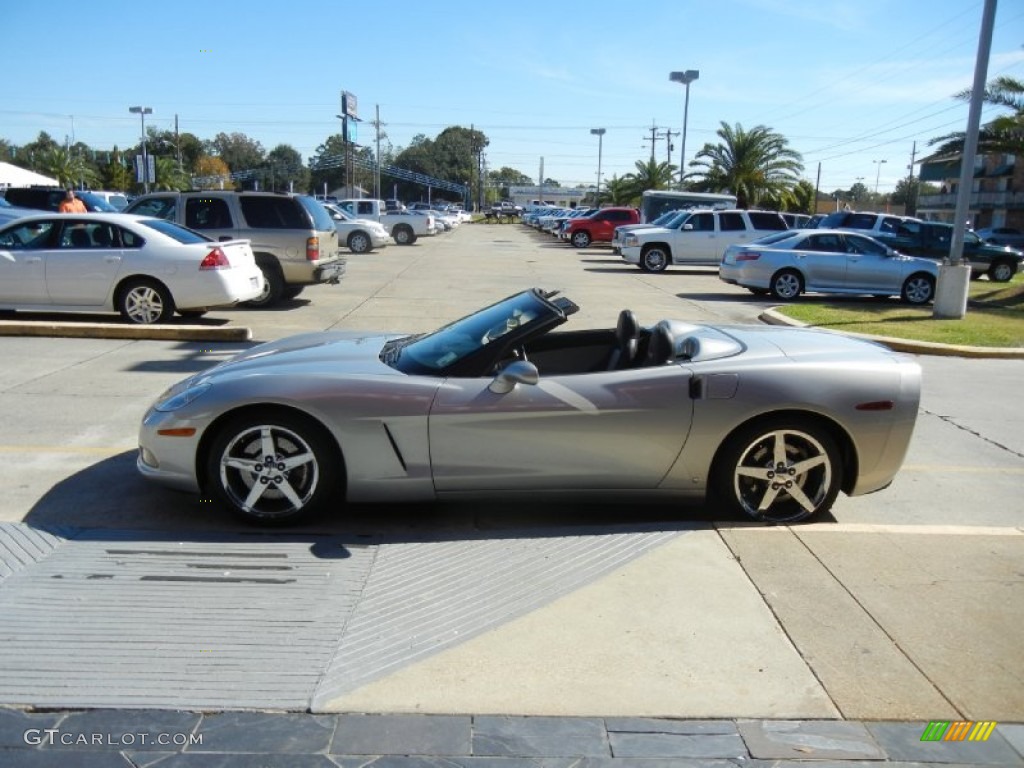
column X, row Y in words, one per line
column 768, row 422
column 786, row 264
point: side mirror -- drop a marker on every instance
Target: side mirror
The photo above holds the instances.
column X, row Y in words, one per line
column 688, row 227
column 517, row 372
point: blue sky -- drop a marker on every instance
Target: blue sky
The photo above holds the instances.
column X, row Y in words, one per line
column 848, row 83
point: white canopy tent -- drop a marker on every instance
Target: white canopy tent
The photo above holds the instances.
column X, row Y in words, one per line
column 13, row 176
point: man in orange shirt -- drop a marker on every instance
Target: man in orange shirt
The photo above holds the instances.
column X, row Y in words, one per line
column 71, row 204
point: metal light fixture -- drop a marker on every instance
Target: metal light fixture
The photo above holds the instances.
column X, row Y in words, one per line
column 599, row 132
column 142, row 112
column 685, row 78
column 878, row 173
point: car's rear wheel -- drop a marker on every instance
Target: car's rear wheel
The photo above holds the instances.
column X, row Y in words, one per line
column 403, row 235
column 654, row 259
column 581, row 239
column 1002, row 271
column 291, row 291
column 272, row 468
column 273, row 286
column 144, row 301
column 918, row 289
column 359, row 242
column 787, row 285
column 780, row 470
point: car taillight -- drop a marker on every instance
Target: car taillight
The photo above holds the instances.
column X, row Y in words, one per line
column 748, row 256
column 215, row 259
column 312, row 249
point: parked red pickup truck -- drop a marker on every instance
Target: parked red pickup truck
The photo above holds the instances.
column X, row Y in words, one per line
column 599, row 227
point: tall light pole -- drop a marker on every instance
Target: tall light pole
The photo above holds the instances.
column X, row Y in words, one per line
column 599, row 132
column 878, row 173
column 142, row 112
column 685, row 78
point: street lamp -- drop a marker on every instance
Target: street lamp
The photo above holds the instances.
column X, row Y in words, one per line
column 599, row 132
column 142, row 112
column 878, row 173
column 685, row 78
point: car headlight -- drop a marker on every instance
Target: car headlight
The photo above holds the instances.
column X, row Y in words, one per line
column 629, row 239
column 181, row 399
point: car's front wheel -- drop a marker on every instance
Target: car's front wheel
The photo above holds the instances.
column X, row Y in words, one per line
column 144, row 302
column 272, row 468
column 654, row 259
column 581, row 239
column 1002, row 271
column 787, row 285
column 359, row 242
column 781, row 470
column 918, row 289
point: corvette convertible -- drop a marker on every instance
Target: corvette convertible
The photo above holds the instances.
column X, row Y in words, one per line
column 768, row 422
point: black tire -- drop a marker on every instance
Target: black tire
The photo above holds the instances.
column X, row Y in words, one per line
column 359, row 242
column 654, row 258
column 291, row 291
column 918, row 289
column 191, row 313
column 144, row 301
column 273, row 286
column 305, row 464
column 1002, row 271
column 580, row 239
column 749, row 479
column 758, row 291
column 787, row 284
column 403, row 235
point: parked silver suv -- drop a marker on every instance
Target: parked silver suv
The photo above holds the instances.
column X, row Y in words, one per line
column 293, row 238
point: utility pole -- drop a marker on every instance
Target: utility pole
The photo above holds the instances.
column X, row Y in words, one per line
column 177, row 141
column 667, row 135
column 377, row 124
column 653, row 139
column 911, row 207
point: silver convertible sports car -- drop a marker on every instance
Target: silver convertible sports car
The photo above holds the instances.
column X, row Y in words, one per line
column 770, row 422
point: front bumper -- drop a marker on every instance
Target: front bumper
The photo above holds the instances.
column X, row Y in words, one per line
column 630, row 254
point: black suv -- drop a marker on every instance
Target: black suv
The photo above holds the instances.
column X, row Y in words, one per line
column 50, row 198
column 293, row 237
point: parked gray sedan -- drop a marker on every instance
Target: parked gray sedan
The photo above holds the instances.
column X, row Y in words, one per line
column 787, row 264
column 770, row 422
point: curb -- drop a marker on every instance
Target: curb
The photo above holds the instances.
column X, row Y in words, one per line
column 772, row 317
column 135, row 332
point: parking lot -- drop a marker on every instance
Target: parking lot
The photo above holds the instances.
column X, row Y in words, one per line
column 906, row 604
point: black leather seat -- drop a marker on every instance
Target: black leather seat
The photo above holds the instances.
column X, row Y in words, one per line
column 660, row 347
column 627, row 339
column 80, row 238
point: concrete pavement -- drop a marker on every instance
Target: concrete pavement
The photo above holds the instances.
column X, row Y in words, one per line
column 905, row 608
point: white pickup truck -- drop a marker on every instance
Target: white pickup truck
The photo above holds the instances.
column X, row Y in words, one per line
column 403, row 226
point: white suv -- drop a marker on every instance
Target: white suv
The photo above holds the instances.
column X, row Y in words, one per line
column 698, row 239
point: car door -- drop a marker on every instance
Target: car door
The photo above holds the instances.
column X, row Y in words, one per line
column 822, row 259
column 82, row 268
column 870, row 267
column 620, row 429
column 23, row 249
column 694, row 239
column 732, row 229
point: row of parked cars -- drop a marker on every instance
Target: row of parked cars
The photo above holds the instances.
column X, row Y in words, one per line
column 179, row 252
column 789, row 254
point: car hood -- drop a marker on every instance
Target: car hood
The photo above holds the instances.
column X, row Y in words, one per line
column 330, row 351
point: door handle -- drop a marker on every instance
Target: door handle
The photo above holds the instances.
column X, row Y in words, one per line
column 33, row 259
column 111, row 259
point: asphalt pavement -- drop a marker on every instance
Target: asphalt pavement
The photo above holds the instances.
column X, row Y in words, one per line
column 495, row 634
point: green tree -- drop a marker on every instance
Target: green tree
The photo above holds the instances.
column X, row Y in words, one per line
column 507, row 177
column 753, row 165
column 115, row 174
column 618, row 190
column 650, row 174
column 68, row 168
column 166, row 144
column 285, row 169
column 237, row 150
column 327, row 166
column 31, row 155
column 1004, row 134
column 169, row 176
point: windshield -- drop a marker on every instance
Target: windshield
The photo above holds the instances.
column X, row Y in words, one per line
column 432, row 352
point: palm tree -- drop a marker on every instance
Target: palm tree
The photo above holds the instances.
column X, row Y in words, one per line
column 1005, row 134
column 169, row 176
column 754, row 165
column 650, row 175
column 618, row 190
column 68, row 168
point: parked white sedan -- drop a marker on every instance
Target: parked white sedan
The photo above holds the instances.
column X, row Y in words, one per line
column 142, row 267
